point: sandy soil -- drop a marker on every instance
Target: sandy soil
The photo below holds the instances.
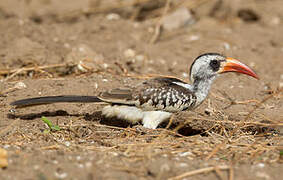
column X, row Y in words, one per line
column 238, row 128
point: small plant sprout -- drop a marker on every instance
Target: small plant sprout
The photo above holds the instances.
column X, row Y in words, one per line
column 51, row 126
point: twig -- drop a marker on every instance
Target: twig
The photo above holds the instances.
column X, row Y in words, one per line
column 113, row 127
column 124, row 70
column 242, row 122
column 232, row 101
column 263, row 101
column 214, row 151
column 238, row 123
column 170, row 122
column 159, row 23
column 34, row 68
column 218, row 172
column 199, row 171
column 14, row 74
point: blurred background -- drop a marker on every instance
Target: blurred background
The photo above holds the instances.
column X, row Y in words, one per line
column 37, row 32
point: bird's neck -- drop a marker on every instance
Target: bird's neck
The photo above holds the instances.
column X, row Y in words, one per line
column 201, row 87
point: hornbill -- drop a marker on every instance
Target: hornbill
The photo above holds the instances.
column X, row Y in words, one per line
column 153, row 101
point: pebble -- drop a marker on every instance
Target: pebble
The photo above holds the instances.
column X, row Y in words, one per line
column 61, row 175
column 95, row 85
column 275, row 21
column 114, row 153
column 162, row 61
column 174, row 63
column 88, row 164
column 20, row 85
column 55, row 162
column 78, row 158
column 165, row 155
column 113, row 16
column 140, row 57
column 67, row 143
column 194, row 38
column 80, row 165
column 182, row 154
column 36, row 167
column 243, row 113
column 130, row 53
column 82, row 49
column 226, row 46
column 6, row 146
column 260, row 165
column 12, row 111
column 67, row 45
column 183, row 165
column 105, row 66
column 178, row 19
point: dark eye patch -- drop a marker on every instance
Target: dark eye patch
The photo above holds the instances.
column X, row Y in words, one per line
column 215, row 65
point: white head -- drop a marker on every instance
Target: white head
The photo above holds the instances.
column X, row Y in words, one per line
column 207, row 66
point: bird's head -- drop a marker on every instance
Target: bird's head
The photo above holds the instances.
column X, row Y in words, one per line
column 209, row 65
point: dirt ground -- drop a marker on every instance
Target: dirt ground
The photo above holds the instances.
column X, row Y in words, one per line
column 50, row 47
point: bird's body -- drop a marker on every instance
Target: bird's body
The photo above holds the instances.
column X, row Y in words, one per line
column 154, row 100
column 151, row 102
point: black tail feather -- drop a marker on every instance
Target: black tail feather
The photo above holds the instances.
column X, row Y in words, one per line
column 55, row 99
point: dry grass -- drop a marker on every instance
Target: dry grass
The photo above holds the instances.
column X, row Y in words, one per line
column 225, row 142
column 221, row 145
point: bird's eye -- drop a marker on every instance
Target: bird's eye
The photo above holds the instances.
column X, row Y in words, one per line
column 214, row 64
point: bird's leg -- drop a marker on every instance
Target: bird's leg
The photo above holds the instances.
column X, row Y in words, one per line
column 152, row 119
column 170, row 122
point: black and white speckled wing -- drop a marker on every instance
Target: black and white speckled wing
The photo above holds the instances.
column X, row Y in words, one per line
column 167, row 94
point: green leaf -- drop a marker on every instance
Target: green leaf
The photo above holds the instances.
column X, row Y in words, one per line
column 47, row 121
column 46, row 131
column 56, row 128
column 50, row 125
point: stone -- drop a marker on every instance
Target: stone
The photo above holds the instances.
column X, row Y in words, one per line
column 178, row 19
